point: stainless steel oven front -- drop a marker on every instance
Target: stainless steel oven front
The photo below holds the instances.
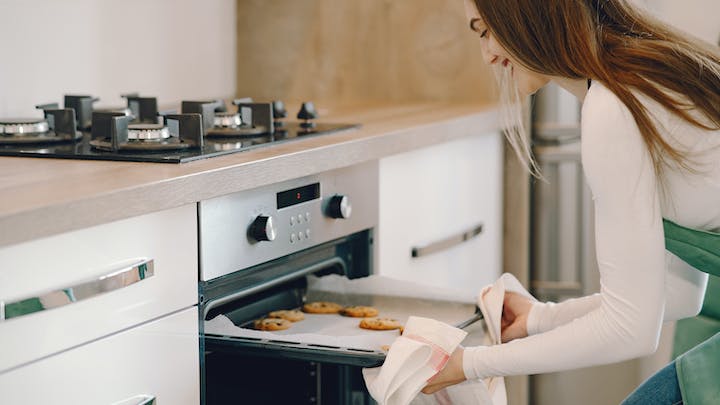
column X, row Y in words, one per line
column 256, row 247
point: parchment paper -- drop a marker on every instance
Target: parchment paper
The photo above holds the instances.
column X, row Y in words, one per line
column 395, row 299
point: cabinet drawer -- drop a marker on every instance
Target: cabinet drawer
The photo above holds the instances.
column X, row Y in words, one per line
column 159, row 359
column 47, row 269
column 433, row 201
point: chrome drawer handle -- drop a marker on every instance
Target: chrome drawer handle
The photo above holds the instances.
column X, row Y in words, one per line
column 446, row 243
column 127, row 275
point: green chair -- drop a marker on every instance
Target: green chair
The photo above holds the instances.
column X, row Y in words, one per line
column 697, row 340
column 692, row 331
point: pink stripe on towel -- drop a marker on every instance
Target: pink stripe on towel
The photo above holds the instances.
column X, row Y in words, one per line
column 439, row 356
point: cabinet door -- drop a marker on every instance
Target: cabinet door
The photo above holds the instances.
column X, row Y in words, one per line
column 432, row 196
column 66, row 290
column 157, row 360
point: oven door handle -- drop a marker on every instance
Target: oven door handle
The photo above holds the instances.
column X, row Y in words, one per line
column 333, row 261
column 130, row 272
column 446, row 243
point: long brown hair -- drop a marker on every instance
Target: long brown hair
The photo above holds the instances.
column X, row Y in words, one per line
column 614, row 43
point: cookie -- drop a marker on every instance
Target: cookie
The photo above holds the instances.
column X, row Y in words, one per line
column 359, row 311
column 272, row 324
column 292, row 315
column 322, row 307
column 380, row 324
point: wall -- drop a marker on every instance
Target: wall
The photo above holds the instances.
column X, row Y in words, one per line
column 697, row 17
column 344, row 51
column 172, row 49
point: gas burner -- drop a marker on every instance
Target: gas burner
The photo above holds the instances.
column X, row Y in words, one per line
column 112, row 132
column 250, row 119
column 57, row 126
column 148, row 132
column 20, row 126
column 227, row 120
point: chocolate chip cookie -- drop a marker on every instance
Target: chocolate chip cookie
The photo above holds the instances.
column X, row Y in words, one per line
column 380, row 324
column 359, row 311
column 322, row 307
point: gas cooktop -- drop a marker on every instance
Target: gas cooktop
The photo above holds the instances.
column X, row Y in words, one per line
column 142, row 133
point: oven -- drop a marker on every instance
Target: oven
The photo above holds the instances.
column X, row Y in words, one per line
column 257, row 250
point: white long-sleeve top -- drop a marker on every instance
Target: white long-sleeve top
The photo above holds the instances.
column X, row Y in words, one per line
column 641, row 284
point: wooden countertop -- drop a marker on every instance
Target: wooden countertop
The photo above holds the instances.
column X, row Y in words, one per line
column 42, row 197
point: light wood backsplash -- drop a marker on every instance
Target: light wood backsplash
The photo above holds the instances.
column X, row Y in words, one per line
column 346, row 51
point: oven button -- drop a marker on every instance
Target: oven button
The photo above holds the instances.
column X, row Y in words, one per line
column 339, row 207
column 262, row 229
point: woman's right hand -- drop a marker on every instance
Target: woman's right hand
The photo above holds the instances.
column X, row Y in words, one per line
column 513, row 324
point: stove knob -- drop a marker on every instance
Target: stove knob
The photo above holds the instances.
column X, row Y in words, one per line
column 339, row 207
column 262, row 229
column 307, row 111
column 278, row 108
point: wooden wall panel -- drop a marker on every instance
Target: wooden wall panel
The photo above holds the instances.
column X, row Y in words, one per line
column 359, row 50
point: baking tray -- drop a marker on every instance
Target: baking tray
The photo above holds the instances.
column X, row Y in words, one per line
column 337, row 339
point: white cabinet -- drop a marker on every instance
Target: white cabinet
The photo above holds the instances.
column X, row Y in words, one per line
column 429, row 198
column 58, row 294
column 155, row 360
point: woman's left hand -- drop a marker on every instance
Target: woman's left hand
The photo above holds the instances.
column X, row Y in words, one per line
column 450, row 375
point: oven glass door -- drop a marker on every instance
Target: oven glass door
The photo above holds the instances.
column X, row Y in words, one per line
column 249, row 294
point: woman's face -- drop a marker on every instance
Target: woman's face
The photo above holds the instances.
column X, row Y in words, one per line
column 528, row 82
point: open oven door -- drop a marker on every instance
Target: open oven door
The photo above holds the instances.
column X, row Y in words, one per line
column 247, row 295
column 322, row 355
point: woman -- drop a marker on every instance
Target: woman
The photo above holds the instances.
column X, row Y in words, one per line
column 650, row 150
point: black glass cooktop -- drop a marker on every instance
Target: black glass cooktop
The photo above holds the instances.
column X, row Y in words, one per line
column 212, row 147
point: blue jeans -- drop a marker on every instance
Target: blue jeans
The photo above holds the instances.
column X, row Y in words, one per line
column 661, row 388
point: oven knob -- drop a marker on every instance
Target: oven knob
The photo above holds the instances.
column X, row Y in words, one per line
column 339, row 207
column 262, row 229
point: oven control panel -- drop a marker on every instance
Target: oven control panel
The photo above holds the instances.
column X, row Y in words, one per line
column 251, row 227
column 263, row 227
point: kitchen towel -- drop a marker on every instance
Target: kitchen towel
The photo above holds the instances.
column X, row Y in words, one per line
column 416, row 356
column 424, row 348
column 490, row 300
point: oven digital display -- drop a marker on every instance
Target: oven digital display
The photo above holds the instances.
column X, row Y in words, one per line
column 298, row 195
